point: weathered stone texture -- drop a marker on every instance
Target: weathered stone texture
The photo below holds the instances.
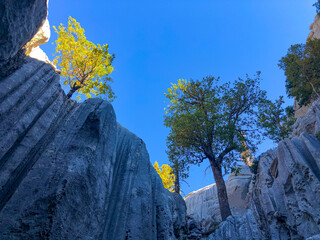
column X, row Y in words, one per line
column 310, row 122
column 315, row 28
column 69, row 171
column 243, row 227
column 19, row 22
column 287, row 201
column 203, row 205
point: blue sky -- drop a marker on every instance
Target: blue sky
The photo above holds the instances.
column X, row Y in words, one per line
column 158, row 42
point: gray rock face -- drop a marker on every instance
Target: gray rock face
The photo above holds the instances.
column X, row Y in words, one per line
column 310, row 122
column 243, row 227
column 284, row 199
column 315, row 28
column 69, row 171
column 287, row 189
column 19, row 21
column 203, row 205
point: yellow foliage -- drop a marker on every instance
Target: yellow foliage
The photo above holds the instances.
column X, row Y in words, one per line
column 166, row 174
column 84, row 65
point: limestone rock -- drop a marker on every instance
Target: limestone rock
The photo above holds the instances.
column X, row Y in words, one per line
column 310, row 122
column 286, row 197
column 19, row 21
column 243, row 227
column 203, row 205
column 39, row 54
column 41, row 37
column 69, row 171
column 315, row 28
column 314, row 34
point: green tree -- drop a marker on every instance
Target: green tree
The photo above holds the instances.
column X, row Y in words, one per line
column 302, row 69
column 317, row 6
column 84, row 65
column 166, row 174
column 177, row 162
column 276, row 120
column 214, row 121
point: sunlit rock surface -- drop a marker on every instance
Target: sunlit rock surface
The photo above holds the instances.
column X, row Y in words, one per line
column 314, row 34
column 315, row 28
column 42, row 37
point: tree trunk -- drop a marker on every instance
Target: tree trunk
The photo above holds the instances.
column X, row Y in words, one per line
column 71, row 92
column 222, row 191
column 177, row 183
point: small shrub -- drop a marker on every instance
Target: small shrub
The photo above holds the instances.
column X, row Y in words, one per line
column 254, row 166
column 236, row 170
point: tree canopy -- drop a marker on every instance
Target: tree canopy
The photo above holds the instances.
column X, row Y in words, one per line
column 178, row 163
column 276, row 120
column 302, row 69
column 317, row 6
column 84, row 65
column 166, row 174
column 215, row 121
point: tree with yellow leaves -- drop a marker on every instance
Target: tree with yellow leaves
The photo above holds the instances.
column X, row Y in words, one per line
column 84, row 65
column 166, row 174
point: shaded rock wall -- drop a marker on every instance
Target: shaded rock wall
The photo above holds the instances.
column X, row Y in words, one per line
column 69, row 170
column 19, row 21
column 286, row 198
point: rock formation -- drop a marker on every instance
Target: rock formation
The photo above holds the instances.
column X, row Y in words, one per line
column 299, row 111
column 283, row 203
column 19, row 20
column 42, row 37
column 315, row 28
column 203, row 205
column 69, row 170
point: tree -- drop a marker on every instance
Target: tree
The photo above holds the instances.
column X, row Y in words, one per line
column 177, row 163
column 276, row 120
column 214, row 121
column 317, row 6
column 166, row 174
column 84, row 65
column 302, row 69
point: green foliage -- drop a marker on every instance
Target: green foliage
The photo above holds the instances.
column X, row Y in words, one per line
column 177, row 162
column 317, row 6
column 209, row 120
column 84, row 65
column 254, row 166
column 276, row 120
column 302, row 69
column 318, row 135
column 166, row 174
column 236, row 170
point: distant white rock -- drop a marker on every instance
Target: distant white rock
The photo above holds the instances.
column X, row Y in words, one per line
column 42, row 37
column 203, row 205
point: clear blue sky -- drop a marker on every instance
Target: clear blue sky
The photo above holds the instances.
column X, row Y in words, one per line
column 158, row 42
